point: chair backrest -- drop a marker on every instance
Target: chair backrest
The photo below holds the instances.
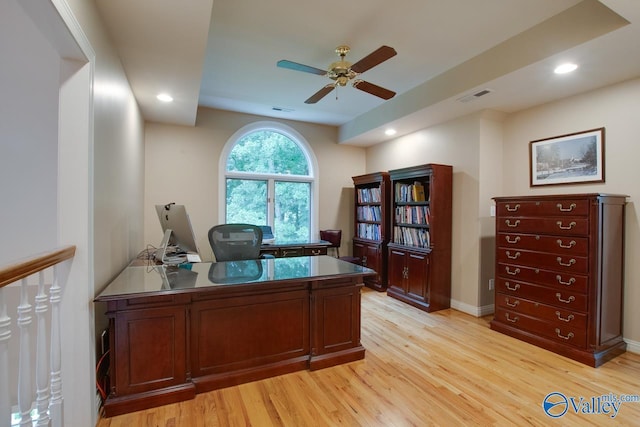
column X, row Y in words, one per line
column 232, row 242
column 332, row 236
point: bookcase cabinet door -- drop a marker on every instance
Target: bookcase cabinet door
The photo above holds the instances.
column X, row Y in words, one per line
column 417, row 276
column 396, row 274
column 371, row 255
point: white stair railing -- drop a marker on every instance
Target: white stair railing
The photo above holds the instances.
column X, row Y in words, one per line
column 48, row 406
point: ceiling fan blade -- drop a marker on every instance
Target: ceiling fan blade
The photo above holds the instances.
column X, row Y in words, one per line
column 300, row 67
column 320, row 94
column 374, row 58
column 374, row 89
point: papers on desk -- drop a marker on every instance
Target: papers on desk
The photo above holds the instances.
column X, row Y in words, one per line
column 193, row 258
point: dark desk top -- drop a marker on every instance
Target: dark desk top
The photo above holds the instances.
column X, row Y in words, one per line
column 306, row 244
column 158, row 279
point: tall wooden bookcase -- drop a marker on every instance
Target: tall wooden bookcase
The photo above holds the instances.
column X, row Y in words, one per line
column 419, row 250
column 371, row 230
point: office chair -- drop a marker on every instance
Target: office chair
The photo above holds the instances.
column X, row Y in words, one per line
column 334, row 237
column 243, row 271
column 233, row 242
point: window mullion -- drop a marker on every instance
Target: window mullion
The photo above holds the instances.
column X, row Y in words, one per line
column 271, row 201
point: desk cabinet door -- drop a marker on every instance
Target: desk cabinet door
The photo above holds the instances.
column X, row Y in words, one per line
column 151, row 347
column 335, row 317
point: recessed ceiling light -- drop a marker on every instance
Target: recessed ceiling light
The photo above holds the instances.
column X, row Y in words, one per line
column 165, row 97
column 565, row 68
column 390, row 132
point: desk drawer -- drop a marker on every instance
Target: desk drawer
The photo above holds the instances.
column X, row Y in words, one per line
column 292, row 251
column 320, row 250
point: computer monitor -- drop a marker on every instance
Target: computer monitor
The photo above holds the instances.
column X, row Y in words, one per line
column 174, row 217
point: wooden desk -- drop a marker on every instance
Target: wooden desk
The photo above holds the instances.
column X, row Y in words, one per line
column 175, row 332
column 282, row 249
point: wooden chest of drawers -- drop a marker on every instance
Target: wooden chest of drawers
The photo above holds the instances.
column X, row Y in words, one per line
column 559, row 273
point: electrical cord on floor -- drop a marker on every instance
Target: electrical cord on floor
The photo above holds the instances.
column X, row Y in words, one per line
column 101, row 390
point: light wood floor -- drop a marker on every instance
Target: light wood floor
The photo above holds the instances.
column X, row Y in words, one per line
column 445, row 368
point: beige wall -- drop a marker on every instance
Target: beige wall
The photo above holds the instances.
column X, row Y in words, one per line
column 615, row 108
column 489, row 154
column 182, row 166
column 455, row 143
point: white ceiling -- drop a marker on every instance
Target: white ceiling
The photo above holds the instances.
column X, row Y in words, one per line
column 223, row 53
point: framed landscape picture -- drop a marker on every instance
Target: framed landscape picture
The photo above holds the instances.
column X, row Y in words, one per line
column 567, row 159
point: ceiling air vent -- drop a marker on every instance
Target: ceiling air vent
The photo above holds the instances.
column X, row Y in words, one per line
column 283, row 109
column 476, row 95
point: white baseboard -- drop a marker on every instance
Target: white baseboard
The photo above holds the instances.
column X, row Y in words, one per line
column 471, row 309
column 632, row 346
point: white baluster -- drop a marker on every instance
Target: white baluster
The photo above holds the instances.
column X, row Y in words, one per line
column 55, row 405
column 24, row 369
column 5, row 335
column 42, row 356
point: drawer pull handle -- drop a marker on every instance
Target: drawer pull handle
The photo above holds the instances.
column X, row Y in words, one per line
column 566, row 227
column 512, row 209
column 515, row 224
column 364, row 260
column 514, row 256
column 569, row 318
column 515, row 240
column 571, row 207
column 514, row 320
column 515, row 287
column 315, row 251
column 564, row 337
column 511, row 304
column 570, row 282
column 566, row 264
column 566, row 301
column 512, row 273
column 569, row 246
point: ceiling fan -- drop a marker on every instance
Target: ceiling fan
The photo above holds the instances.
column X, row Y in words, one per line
column 341, row 72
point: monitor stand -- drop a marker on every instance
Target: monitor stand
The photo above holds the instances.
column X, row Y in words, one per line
column 161, row 254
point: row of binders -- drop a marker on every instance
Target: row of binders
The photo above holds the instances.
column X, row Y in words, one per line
column 410, row 192
column 409, row 236
column 369, row 195
column 413, row 215
column 369, row 231
column 369, row 213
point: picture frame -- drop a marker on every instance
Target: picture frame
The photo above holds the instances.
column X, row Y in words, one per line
column 573, row 158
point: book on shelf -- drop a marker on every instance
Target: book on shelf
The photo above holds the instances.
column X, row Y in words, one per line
column 418, row 192
column 412, row 215
column 369, row 213
column 369, row 231
column 408, row 236
column 415, row 192
column 369, row 195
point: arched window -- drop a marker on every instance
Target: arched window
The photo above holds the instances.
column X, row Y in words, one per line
column 270, row 179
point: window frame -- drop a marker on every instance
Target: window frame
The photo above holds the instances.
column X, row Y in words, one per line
column 311, row 178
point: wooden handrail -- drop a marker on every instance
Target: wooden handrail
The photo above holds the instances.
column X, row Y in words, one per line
column 30, row 265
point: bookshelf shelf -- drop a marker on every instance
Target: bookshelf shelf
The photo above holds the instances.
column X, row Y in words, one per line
column 419, row 250
column 371, row 228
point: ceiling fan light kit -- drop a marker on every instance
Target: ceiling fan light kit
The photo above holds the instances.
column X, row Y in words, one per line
column 342, row 71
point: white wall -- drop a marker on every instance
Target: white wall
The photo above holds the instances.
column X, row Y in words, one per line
column 615, row 108
column 27, row 174
column 182, row 166
column 48, row 118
